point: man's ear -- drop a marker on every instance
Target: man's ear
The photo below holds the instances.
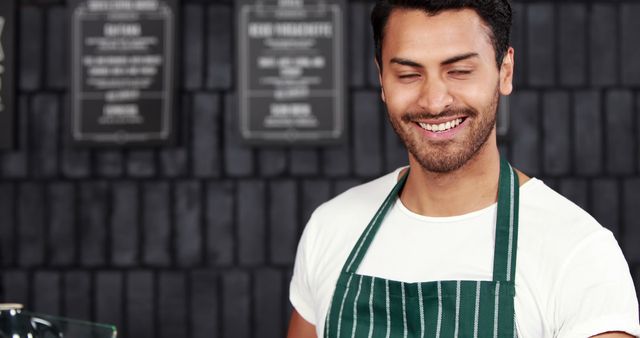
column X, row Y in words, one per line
column 506, row 72
column 380, row 81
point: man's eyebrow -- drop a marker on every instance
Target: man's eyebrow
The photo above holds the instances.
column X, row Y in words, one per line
column 458, row 58
column 406, row 62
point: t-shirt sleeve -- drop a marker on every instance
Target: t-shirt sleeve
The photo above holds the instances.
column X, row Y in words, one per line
column 300, row 288
column 595, row 293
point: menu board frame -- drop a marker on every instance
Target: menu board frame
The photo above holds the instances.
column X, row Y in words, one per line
column 7, row 73
column 88, row 124
column 255, row 102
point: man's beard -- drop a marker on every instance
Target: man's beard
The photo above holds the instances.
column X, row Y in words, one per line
column 447, row 156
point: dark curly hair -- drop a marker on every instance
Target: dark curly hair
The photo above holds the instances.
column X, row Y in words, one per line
column 495, row 13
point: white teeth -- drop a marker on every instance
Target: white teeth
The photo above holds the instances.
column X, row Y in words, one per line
column 442, row 126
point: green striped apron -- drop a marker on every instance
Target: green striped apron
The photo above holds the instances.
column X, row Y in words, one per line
column 365, row 306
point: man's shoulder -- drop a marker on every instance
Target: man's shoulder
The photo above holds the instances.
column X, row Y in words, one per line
column 360, row 198
column 553, row 219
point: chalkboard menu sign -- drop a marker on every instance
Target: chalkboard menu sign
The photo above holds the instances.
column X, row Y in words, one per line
column 7, row 84
column 291, row 71
column 122, row 71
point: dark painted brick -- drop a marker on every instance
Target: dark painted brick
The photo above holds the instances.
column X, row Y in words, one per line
column 357, row 46
column 141, row 163
column 75, row 161
column 268, row 303
column 629, row 41
column 343, row 185
column 14, row 162
column 525, row 147
column 238, row 158
column 93, row 223
column 124, row 224
column 367, row 148
column 108, row 298
column 283, row 234
column 57, row 48
column 540, row 44
column 396, row 153
column 303, row 162
column 605, row 202
column 31, row 234
column 551, row 183
column 219, row 47
column 631, row 220
column 62, row 224
column 109, row 163
column 314, row 193
column 272, row 162
column 204, row 304
column 172, row 305
column 620, row 138
column 369, row 57
column 219, row 223
column 587, row 133
column 174, row 159
column 15, row 287
column 602, row 44
column 576, row 190
column 336, row 160
column 572, row 47
column 556, row 127
column 44, row 146
column 188, row 223
column 518, row 42
column 288, row 307
column 250, row 216
column 46, row 288
column 31, row 47
column 77, row 295
column 192, row 41
column 156, row 224
column 140, row 304
column 236, row 301
column 206, row 131
column 7, row 224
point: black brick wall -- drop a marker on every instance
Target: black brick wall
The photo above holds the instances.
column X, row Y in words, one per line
column 198, row 239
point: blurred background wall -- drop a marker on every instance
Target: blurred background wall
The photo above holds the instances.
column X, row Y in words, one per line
column 198, row 240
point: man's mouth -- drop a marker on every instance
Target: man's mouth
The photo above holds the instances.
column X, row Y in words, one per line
column 443, row 126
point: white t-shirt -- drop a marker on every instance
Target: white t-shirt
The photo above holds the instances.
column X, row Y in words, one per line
column 571, row 277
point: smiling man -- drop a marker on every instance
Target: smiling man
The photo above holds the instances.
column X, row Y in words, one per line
column 459, row 244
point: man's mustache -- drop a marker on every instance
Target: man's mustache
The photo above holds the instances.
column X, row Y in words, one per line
column 412, row 116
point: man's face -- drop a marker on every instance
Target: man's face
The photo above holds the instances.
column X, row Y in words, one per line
column 441, row 85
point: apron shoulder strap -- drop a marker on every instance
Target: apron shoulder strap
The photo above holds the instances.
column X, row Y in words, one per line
column 506, row 240
column 362, row 245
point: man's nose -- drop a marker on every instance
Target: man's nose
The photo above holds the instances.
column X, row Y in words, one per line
column 434, row 96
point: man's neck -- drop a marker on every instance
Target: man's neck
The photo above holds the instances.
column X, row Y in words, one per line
column 472, row 187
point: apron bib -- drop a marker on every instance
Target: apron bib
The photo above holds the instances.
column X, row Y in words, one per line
column 371, row 307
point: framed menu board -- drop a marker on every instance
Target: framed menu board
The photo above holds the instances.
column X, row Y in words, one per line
column 7, row 68
column 291, row 71
column 123, row 56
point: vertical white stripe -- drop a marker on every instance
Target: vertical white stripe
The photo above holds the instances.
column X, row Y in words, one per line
column 455, row 331
column 439, row 322
column 495, row 314
column 515, row 333
column 404, row 311
column 355, row 309
column 344, row 298
column 420, row 301
column 386, row 285
column 328, row 320
column 476, row 311
column 511, row 206
column 371, row 309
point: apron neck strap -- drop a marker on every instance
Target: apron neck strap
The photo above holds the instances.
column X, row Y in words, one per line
column 506, row 238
